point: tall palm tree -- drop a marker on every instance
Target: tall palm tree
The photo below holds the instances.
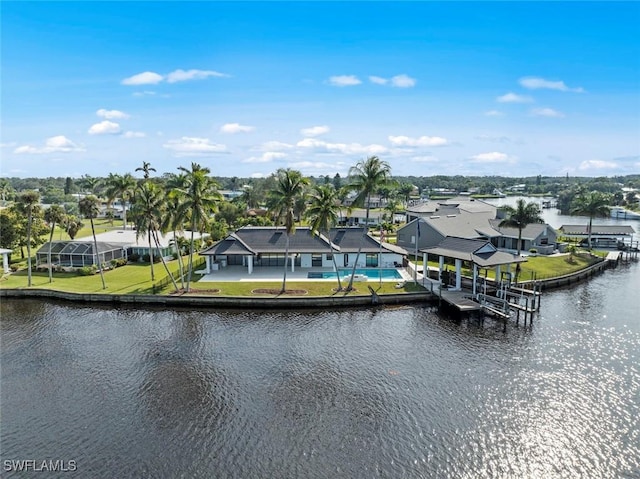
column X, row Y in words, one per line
column 121, row 186
column 290, row 186
column 520, row 217
column 27, row 201
column 89, row 207
column 201, row 198
column 592, row 204
column 322, row 214
column 146, row 168
column 54, row 214
column 147, row 209
column 366, row 177
column 172, row 219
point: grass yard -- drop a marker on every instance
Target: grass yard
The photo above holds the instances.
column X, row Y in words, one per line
column 129, row 279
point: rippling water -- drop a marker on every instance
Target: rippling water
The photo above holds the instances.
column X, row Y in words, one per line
column 395, row 392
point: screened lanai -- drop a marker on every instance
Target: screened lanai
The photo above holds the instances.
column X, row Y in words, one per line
column 77, row 254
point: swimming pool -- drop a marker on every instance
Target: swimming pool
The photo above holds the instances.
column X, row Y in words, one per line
column 371, row 273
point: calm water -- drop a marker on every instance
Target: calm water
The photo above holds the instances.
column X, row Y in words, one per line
column 394, row 393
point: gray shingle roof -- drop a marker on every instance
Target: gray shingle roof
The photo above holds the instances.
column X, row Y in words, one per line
column 267, row 239
column 531, row 231
column 480, row 252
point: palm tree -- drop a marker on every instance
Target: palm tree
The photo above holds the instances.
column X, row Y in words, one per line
column 90, row 184
column 520, row 217
column 201, row 197
column 172, row 219
column 290, row 186
column 54, row 214
column 147, row 209
column 146, row 168
column 89, row 207
column 593, row 204
column 72, row 225
column 121, row 186
column 367, row 177
column 323, row 215
column 27, row 201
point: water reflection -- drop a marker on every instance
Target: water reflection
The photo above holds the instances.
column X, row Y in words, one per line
column 387, row 392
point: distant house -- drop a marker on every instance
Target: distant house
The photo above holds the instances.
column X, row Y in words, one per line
column 255, row 246
column 112, row 244
column 76, row 254
column 449, row 206
column 358, row 216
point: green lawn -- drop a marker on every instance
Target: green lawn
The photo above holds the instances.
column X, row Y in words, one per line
column 130, row 279
column 136, row 279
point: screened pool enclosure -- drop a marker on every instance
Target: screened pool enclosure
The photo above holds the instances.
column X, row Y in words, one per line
column 77, row 254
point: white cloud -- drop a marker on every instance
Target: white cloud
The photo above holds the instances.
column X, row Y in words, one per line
column 105, row 127
column 57, row 144
column 343, row 148
column 421, row 141
column 266, row 157
column 144, row 93
column 112, row 114
column 182, row 75
column 403, row 81
column 190, row 146
column 398, row 81
column 144, row 78
column 535, row 83
column 344, row 80
column 378, row 80
column 548, row 112
column 598, row 165
column 492, row 157
column 493, row 113
column 275, row 146
column 232, row 128
column 8, row 145
column 314, row 130
column 257, row 175
column 514, row 98
column 134, row 134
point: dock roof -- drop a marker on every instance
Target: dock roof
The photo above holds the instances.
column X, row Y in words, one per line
column 480, row 252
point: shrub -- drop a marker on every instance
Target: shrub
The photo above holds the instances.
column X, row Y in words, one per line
column 88, row 270
column 146, row 258
column 14, row 267
column 533, row 250
column 134, row 257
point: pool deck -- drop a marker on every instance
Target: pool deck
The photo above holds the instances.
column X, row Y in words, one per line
column 264, row 274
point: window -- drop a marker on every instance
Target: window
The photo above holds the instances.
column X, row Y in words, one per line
column 316, row 260
column 372, row 260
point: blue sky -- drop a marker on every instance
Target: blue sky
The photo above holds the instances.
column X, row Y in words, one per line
column 473, row 88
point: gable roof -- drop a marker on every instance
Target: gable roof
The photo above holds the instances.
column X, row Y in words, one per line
column 480, row 252
column 531, row 231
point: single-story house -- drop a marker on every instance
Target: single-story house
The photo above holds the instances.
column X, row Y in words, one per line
column 265, row 246
column 357, row 217
column 429, row 208
column 140, row 244
column 79, row 253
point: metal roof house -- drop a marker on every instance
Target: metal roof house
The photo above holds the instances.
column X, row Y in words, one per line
column 265, row 246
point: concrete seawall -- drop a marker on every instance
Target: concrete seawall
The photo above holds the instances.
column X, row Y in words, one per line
column 227, row 302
